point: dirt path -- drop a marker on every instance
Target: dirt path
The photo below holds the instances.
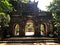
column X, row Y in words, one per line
column 29, row 44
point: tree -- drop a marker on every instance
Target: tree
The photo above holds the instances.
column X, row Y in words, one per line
column 55, row 6
column 5, row 9
column 5, row 6
column 4, row 19
column 55, row 9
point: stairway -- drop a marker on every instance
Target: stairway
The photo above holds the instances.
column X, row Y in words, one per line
column 30, row 40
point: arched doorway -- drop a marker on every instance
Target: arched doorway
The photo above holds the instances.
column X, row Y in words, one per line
column 16, row 29
column 29, row 28
column 43, row 29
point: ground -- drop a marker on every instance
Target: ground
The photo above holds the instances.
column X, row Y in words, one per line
column 29, row 44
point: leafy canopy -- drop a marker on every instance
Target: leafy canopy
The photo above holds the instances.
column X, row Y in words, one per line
column 54, row 6
column 5, row 8
column 55, row 9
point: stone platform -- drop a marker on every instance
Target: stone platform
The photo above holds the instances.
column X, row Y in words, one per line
column 30, row 40
column 30, row 43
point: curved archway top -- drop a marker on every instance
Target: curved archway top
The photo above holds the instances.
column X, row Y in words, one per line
column 16, row 24
column 29, row 21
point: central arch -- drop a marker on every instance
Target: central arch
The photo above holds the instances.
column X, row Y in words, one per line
column 29, row 28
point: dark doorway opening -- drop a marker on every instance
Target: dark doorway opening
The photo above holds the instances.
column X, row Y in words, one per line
column 29, row 28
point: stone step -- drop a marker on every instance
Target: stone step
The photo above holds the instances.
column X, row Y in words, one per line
column 30, row 43
column 30, row 39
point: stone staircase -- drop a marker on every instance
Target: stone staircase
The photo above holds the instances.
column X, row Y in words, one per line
column 30, row 40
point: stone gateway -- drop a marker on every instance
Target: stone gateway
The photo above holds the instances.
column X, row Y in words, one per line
column 28, row 20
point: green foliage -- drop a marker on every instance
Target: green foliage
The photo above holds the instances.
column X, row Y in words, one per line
column 16, row 0
column 17, row 27
column 2, row 15
column 29, row 27
column 8, row 18
column 4, row 19
column 55, row 9
column 25, row 1
column 5, row 8
column 42, row 27
column 54, row 6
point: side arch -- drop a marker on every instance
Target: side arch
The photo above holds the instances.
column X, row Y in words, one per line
column 43, row 29
column 16, row 28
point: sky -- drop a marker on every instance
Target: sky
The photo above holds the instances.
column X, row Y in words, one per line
column 42, row 4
